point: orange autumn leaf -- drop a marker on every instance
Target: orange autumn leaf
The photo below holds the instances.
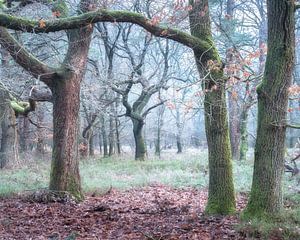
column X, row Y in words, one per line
column 42, row 23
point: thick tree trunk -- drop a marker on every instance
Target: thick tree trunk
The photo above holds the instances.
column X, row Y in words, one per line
column 9, row 146
column 221, row 197
column 65, row 169
column 66, row 103
column 266, row 192
column 140, row 147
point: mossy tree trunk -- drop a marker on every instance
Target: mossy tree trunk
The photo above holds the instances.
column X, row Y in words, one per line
column 9, row 137
column 64, row 169
column 66, row 103
column 9, row 146
column 266, row 192
column 221, row 197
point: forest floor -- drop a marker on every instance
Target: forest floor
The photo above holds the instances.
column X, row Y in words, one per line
column 125, row 199
column 153, row 212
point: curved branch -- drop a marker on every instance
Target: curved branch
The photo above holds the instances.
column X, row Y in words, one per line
column 23, row 24
column 151, row 108
column 30, row 63
column 293, row 126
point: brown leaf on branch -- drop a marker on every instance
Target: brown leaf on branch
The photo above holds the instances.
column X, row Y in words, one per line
column 42, row 23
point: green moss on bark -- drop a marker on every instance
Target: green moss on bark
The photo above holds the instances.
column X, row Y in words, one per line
column 221, row 196
column 266, row 192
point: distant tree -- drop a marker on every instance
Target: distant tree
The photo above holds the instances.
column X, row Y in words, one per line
column 138, row 110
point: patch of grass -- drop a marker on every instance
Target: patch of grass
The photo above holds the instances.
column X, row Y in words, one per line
column 242, row 173
column 122, row 173
column 283, row 226
column 23, row 179
column 178, row 170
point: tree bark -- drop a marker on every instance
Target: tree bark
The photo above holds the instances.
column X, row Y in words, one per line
column 91, row 144
column 244, row 135
column 24, row 133
column 66, row 103
column 9, row 137
column 40, row 146
column 65, row 169
column 140, row 147
column 266, row 192
column 221, row 197
column 234, row 126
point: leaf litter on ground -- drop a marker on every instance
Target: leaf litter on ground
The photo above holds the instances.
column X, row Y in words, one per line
column 155, row 212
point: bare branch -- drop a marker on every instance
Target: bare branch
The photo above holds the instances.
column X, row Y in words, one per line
column 293, row 126
column 151, row 108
